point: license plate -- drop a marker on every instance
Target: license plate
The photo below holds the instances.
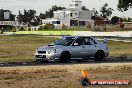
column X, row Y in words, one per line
column 40, row 56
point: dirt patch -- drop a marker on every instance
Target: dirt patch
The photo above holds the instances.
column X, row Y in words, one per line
column 62, row 76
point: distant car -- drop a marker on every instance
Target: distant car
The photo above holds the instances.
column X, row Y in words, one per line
column 71, row 47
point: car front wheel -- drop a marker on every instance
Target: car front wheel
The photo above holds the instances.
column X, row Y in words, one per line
column 65, row 57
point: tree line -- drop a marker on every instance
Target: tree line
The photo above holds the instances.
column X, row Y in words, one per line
column 29, row 16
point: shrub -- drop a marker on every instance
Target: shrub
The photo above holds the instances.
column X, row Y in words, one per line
column 13, row 29
column 49, row 26
column 63, row 26
column 1, row 31
column 41, row 28
column 97, row 29
column 22, row 29
column 29, row 29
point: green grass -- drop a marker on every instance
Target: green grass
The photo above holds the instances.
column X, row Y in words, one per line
column 51, row 32
column 119, row 48
column 117, row 29
column 89, row 29
column 70, row 29
column 21, row 48
column 84, row 28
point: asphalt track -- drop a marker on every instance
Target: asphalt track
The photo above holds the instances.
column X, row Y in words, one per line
column 115, row 60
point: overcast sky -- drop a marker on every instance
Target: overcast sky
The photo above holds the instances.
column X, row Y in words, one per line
column 43, row 5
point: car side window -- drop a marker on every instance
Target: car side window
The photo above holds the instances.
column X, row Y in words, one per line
column 79, row 41
column 92, row 41
column 89, row 41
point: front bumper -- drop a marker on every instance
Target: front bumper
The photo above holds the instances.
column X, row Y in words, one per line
column 48, row 57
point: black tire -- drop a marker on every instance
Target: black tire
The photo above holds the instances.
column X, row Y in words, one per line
column 86, row 58
column 80, row 60
column 99, row 56
column 65, row 57
column 37, row 61
column 44, row 61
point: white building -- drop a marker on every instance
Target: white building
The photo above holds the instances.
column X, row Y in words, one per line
column 73, row 16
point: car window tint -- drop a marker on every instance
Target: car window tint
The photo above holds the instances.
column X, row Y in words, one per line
column 80, row 41
column 89, row 41
column 92, row 41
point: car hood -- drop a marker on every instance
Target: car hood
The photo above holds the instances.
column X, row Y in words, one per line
column 48, row 47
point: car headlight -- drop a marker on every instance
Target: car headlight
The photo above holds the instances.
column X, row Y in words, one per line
column 52, row 51
column 36, row 50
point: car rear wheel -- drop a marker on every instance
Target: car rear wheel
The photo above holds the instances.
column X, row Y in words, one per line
column 65, row 57
column 99, row 56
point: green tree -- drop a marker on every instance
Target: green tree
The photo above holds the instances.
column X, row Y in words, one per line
column 124, row 5
column 95, row 12
column 105, row 11
column 49, row 13
column 29, row 17
column 127, row 19
column 114, row 19
column 12, row 17
column 84, row 8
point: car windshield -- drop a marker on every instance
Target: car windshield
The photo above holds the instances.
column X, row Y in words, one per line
column 67, row 41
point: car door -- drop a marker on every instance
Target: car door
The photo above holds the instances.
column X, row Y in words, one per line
column 90, row 47
column 77, row 48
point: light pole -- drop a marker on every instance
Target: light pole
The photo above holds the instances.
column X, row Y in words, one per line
column 78, row 19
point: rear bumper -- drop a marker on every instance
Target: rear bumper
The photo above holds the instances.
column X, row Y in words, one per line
column 106, row 53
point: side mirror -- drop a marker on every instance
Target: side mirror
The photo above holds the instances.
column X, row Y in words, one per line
column 75, row 44
column 105, row 40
